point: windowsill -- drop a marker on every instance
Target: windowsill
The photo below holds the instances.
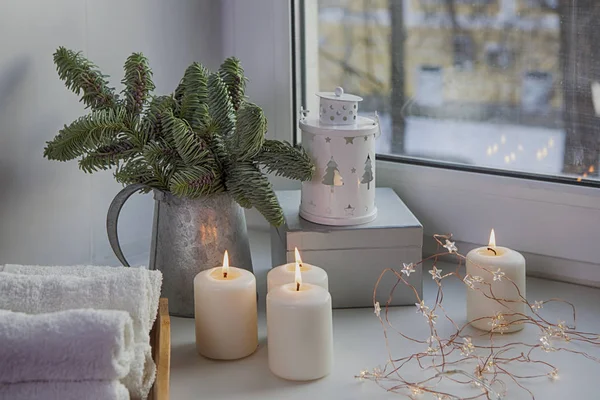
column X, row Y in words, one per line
column 359, row 345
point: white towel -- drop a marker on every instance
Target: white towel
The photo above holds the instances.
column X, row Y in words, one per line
column 65, row 346
column 143, row 370
column 153, row 278
column 37, row 294
column 142, row 373
column 81, row 390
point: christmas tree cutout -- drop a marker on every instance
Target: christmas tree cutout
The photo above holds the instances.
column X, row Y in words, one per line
column 332, row 175
column 368, row 175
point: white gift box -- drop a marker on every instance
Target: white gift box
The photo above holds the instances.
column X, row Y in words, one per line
column 355, row 256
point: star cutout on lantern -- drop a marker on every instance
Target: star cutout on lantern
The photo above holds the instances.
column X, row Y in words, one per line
column 349, row 140
column 312, row 204
column 553, row 375
column 498, row 275
column 366, row 138
column 450, row 246
column 408, row 269
column 537, row 305
column 477, row 279
column 435, row 273
column 349, row 210
column 327, row 140
column 421, row 307
column 377, row 309
column 353, row 170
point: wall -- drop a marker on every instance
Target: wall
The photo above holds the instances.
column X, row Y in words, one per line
column 51, row 212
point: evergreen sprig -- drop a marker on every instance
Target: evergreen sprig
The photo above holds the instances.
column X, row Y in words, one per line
column 138, row 83
column 283, row 159
column 203, row 139
column 80, row 75
column 232, row 73
column 99, row 128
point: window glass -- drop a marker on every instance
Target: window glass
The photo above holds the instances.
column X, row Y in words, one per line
column 506, row 84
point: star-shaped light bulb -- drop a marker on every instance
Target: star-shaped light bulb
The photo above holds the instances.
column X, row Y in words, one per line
column 537, row 305
column 435, row 273
column 377, row 309
column 408, row 269
column 498, row 275
column 421, row 307
column 450, row 246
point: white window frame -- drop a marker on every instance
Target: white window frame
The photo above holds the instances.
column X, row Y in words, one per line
column 555, row 225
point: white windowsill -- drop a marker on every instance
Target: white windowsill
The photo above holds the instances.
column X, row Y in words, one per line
column 359, row 345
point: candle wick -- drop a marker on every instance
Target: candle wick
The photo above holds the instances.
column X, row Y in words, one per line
column 489, row 248
column 297, row 286
column 224, row 274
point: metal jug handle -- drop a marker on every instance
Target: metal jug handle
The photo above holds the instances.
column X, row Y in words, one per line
column 112, row 218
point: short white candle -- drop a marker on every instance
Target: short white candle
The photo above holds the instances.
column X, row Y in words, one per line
column 503, row 264
column 299, row 331
column 284, row 274
column 225, row 311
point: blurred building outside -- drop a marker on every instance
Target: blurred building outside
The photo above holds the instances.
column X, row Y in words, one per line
column 471, row 81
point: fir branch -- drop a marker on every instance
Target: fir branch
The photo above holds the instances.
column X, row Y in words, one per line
column 191, row 147
column 81, row 75
column 251, row 127
column 194, row 182
column 217, row 146
column 152, row 121
column 232, row 73
column 247, row 182
column 106, row 157
column 138, row 83
column 219, row 105
column 86, row 133
column 135, row 170
column 159, row 153
column 192, row 95
column 286, row 160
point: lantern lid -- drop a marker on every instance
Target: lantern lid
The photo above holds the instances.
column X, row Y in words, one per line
column 339, row 95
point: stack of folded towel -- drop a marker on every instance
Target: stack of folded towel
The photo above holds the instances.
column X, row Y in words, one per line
column 52, row 290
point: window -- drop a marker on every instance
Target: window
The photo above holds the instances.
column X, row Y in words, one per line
column 488, row 110
column 511, row 86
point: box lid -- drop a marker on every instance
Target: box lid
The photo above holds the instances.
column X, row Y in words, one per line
column 395, row 226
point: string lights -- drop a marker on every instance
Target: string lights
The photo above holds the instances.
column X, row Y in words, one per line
column 479, row 363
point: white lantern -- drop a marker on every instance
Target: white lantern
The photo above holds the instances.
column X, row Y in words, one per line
column 342, row 145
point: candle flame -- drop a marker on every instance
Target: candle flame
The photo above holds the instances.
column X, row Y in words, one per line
column 492, row 242
column 298, row 276
column 297, row 256
column 225, row 267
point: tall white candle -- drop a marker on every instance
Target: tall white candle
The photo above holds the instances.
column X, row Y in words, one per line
column 299, row 331
column 284, row 274
column 504, row 265
column 225, row 311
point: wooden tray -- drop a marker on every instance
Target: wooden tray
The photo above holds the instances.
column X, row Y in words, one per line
column 160, row 339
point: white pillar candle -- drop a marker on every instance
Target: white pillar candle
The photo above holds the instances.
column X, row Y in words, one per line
column 284, row 274
column 299, row 331
column 225, row 311
column 504, row 265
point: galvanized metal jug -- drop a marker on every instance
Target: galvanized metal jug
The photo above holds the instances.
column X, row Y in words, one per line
column 188, row 236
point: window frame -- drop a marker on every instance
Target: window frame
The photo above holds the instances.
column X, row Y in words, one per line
column 551, row 221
